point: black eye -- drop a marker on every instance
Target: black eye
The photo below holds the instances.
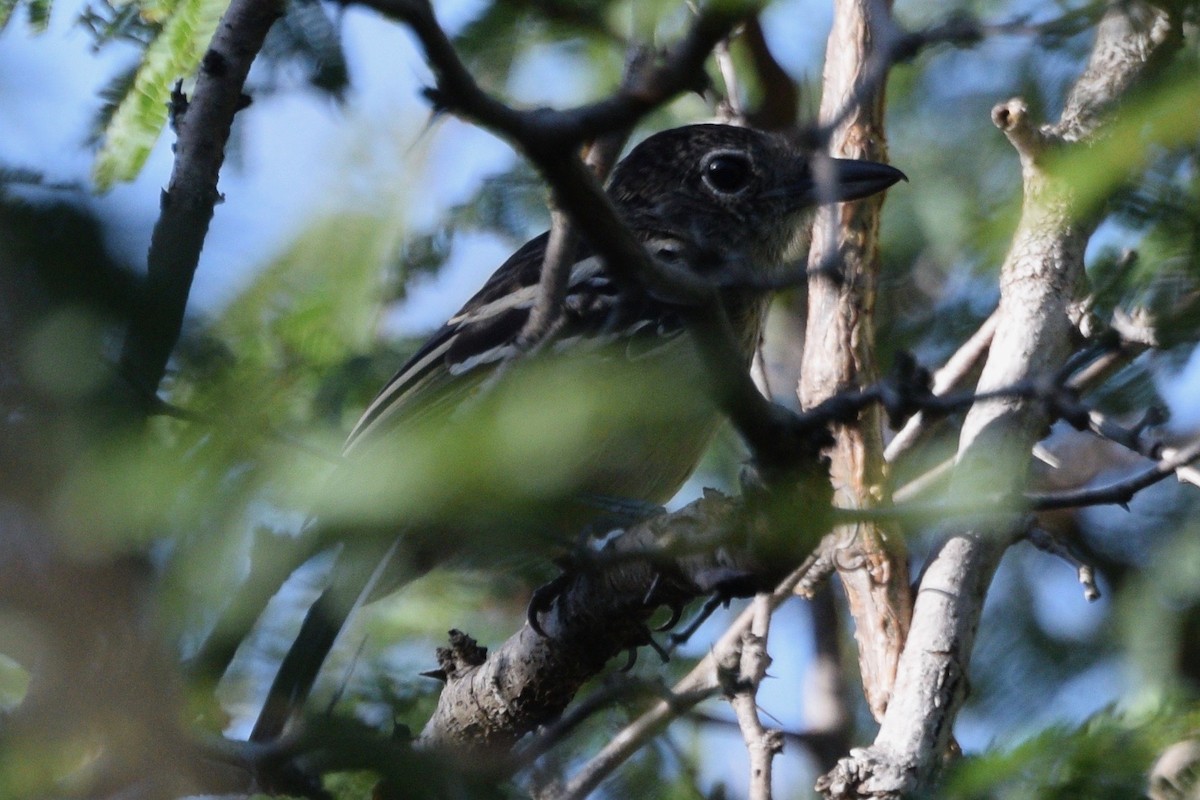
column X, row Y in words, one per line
column 727, row 173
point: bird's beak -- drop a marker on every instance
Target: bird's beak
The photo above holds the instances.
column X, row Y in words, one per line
column 837, row 180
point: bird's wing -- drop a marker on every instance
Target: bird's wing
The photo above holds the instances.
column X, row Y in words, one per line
column 483, row 334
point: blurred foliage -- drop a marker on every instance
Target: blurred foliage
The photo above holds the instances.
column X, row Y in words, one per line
column 269, row 383
column 173, row 36
column 139, row 117
column 37, row 13
column 307, row 37
column 1106, row 758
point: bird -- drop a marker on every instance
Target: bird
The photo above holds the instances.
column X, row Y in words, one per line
column 724, row 203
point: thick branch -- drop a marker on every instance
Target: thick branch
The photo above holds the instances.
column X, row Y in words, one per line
column 191, row 195
column 489, row 703
column 839, row 345
column 694, row 687
column 1039, row 283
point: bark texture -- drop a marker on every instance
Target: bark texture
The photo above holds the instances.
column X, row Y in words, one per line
column 1040, row 279
column 204, row 126
column 840, row 350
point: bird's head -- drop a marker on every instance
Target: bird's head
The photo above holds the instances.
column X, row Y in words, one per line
column 721, row 200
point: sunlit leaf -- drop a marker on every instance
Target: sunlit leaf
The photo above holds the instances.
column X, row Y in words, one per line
column 158, row 10
column 142, row 113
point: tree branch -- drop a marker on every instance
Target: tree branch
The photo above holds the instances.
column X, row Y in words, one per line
column 1039, row 283
column 697, row 685
column 839, row 350
column 1119, row 492
column 951, row 376
column 188, row 202
column 556, row 266
column 740, row 671
column 487, row 704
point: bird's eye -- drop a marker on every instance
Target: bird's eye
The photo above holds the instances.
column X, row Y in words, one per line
column 727, row 173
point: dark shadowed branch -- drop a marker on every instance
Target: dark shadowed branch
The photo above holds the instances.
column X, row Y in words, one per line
column 602, row 155
column 203, row 127
column 601, row 611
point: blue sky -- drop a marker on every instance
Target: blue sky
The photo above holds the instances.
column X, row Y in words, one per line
column 291, row 159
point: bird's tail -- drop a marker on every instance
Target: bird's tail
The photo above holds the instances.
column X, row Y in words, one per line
column 356, row 579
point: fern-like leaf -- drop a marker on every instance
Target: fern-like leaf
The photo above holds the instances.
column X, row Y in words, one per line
column 139, row 119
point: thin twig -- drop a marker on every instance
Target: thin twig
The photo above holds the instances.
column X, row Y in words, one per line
column 749, row 669
column 1048, row 542
column 554, row 281
column 951, row 376
column 730, row 108
column 604, row 697
column 1119, row 492
column 697, row 685
column 560, row 248
column 1134, row 339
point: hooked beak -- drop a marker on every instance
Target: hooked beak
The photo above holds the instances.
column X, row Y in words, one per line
column 841, row 179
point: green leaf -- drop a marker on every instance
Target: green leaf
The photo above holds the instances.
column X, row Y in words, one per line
column 157, row 10
column 39, row 14
column 175, row 53
column 6, row 10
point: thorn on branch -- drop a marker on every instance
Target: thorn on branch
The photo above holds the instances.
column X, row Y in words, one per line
column 178, row 106
column 463, row 654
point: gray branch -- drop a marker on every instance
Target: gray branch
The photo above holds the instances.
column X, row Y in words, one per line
column 492, row 699
column 1040, row 281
